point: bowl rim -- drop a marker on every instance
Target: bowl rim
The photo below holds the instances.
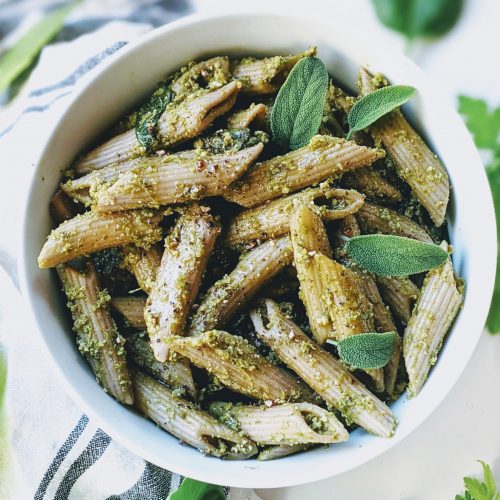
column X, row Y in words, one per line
column 254, row 479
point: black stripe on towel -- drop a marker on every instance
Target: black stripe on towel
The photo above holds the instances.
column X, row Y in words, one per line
column 60, row 456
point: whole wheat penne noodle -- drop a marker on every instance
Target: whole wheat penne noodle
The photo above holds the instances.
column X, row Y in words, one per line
column 186, row 422
column 309, row 238
column 322, row 372
column 323, row 157
column 348, row 308
column 97, row 337
column 254, row 115
column 374, row 218
column 179, row 122
column 265, row 76
column 62, row 207
column 187, row 249
column 286, row 424
column 254, row 269
column 176, row 374
column 132, row 309
column 143, row 263
column 174, row 180
column 413, row 160
column 90, row 232
column 273, row 219
column 284, row 450
column 238, row 366
column 440, row 300
column 369, row 182
column 400, row 294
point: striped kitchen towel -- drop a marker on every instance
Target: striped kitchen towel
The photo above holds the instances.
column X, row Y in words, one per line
column 48, row 449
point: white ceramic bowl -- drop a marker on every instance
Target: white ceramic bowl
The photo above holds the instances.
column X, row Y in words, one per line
column 130, row 75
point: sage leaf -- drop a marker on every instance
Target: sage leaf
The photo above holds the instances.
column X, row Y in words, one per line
column 23, row 53
column 149, row 113
column 298, row 108
column 190, row 489
column 376, row 104
column 419, row 18
column 388, row 255
column 367, row 351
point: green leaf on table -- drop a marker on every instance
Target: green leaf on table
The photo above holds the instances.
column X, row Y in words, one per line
column 419, row 18
column 298, row 108
column 388, row 255
column 376, row 104
column 21, row 55
column 367, row 351
column 190, row 489
column 480, row 490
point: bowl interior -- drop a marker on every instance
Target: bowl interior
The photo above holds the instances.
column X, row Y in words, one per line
column 120, row 84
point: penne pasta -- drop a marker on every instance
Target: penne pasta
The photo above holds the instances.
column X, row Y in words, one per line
column 369, row 182
column 414, row 161
column 322, row 158
column 97, row 337
column 187, row 249
column 62, row 208
column 254, row 269
column 170, row 180
column 439, row 302
column 374, row 218
column 176, row 374
column 90, row 232
column 274, row 452
column 400, row 293
column 237, row 365
column 322, row 372
column 132, row 309
column 265, row 76
column 286, row 424
column 273, row 219
column 255, row 115
column 143, row 263
column 186, row 422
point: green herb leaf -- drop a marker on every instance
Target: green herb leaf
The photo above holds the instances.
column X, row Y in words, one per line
column 376, row 104
column 148, row 114
column 388, row 255
column 298, row 108
column 367, row 351
column 419, row 18
column 190, row 489
column 480, row 490
column 21, row 55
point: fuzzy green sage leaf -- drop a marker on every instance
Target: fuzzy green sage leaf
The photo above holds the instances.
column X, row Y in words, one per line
column 190, row 489
column 298, row 108
column 367, row 351
column 376, row 104
column 388, row 255
column 149, row 113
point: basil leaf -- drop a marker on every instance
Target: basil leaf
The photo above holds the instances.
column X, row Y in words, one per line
column 23, row 53
column 367, row 351
column 419, row 18
column 376, row 104
column 148, row 114
column 388, row 255
column 190, row 489
column 298, row 108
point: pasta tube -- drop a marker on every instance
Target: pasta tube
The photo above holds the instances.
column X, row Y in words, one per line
column 187, row 249
column 97, row 337
column 254, row 269
column 192, row 426
column 256, row 115
column 237, row 365
column 369, row 182
column 322, row 372
column 400, row 293
column 172, row 180
column 374, row 218
column 62, row 208
column 286, row 424
column 322, row 158
column 439, row 302
column 132, row 309
column 274, row 452
column 176, row 374
column 90, row 232
column 413, row 160
column 265, row 76
column 143, row 263
column 273, row 219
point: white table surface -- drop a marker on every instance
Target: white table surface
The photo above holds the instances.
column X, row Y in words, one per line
column 429, row 464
